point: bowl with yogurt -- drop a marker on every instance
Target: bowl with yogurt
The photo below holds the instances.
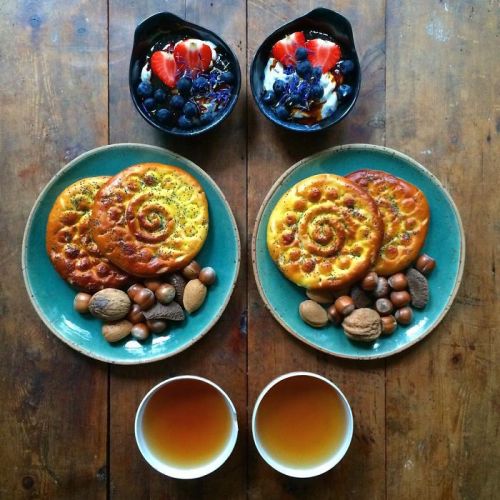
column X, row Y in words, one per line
column 306, row 75
column 184, row 79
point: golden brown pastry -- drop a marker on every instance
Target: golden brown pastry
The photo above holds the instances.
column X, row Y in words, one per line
column 150, row 219
column 324, row 233
column 69, row 244
column 405, row 212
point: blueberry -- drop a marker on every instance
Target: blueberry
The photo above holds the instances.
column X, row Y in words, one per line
column 304, row 69
column 279, row 87
column 227, row 77
column 160, row 95
column 190, row 109
column 144, row 89
column 317, row 72
column 268, row 97
column 177, row 102
column 317, row 91
column 184, row 85
column 164, row 115
column 294, row 99
column 207, row 118
column 184, row 122
column 344, row 90
column 345, row 66
column 149, row 103
column 282, row 112
column 200, row 85
column 301, row 54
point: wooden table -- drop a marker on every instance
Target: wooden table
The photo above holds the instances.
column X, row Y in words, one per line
column 427, row 420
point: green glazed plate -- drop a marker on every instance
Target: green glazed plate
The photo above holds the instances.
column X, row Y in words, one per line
column 445, row 242
column 53, row 298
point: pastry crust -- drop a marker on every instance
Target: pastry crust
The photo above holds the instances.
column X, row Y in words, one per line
column 150, row 219
column 69, row 243
column 325, row 232
column 406, row 214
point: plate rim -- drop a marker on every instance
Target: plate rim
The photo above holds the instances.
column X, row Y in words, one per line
column 29, row 222
column 378, row 149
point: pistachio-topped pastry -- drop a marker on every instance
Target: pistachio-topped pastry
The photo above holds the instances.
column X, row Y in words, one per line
column 325, row 232
column 69, row 243
column 405, row 212
column 150, row 219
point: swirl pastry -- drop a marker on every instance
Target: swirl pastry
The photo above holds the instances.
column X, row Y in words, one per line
column 325, row 232
column 69, row 244
column 405, row 212
column 150, row 219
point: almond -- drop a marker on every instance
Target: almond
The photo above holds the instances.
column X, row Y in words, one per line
column 194, row 295
column 313, row 314
column 113, row 332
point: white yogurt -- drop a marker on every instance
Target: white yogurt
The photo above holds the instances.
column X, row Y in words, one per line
column 146, row 74
column 329, row 99
column 274, row 71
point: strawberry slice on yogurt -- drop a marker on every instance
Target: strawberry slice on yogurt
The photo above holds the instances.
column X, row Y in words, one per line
column 284, row 50
column 323, row 53
column 194, row 55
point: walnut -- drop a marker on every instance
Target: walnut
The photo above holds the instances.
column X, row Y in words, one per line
column 363, row 325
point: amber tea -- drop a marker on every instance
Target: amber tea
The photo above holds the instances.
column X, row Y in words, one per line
column 187, row 424
column 302, row 423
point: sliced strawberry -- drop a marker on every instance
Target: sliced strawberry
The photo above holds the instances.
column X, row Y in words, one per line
column 323, row 53
column 284, row 50
column 164, row 67
column 193, row 54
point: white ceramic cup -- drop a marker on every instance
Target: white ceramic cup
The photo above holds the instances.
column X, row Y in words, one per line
column 169, row 469
column 337, row 454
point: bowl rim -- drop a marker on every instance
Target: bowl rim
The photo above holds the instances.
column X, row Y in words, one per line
column 293, row 126
column 27, row 230
column 359, row 147
column 225, row 112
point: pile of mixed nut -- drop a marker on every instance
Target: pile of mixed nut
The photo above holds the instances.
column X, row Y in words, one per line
column 374, row 306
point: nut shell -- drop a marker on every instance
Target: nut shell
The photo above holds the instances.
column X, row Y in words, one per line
column 382, row 289
column 363, row 325
column 109, row 304
column 118, row 330
column 165, row 293
column 140, row 331
column 400, row 299
column 179, row 283
column 398, row 282
column 369, row 281
column 333, row 315
column 384, row 306
column 389, row 324
column 207, row 276
column 194, row 295
column 321, row 296
column 404, row 315
column 360, row 297
column 344, row 305
column 419, row 288
column 425, row 264
column 313, row 314
column 191, row 271
column 172, row 311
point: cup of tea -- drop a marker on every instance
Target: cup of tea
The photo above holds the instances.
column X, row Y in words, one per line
column 302, row 424
column 186, row 427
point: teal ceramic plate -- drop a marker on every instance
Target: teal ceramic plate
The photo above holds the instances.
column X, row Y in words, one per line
column 53, row 298
column 445, row 242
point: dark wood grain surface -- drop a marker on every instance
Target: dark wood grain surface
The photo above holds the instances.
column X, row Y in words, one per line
column 426, row 421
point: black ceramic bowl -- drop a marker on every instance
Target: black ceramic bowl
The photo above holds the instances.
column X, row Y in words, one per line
column 165, row 25
column 324, row 21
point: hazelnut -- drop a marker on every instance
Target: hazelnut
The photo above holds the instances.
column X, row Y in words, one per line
column 113, row 332
column 425, row 264
column 384, row 306
column 140, row 331
column 135, row 314
column 131, row 292
column 333, row 315
column 145, row 298
column 81, row 302
column 363, row 325
column 156, row 325
column 191, row 271
column 389, row 324
column 370, row 281
column 400, row 299
column 360, row 297
column 109, row 304
column 404, row 315
column 344, row 305
column 165, row 293
column 382, row 288
column 207, row 276
column 398, row 282
column 153, row 285
column 313, row 314
column 321, row 296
